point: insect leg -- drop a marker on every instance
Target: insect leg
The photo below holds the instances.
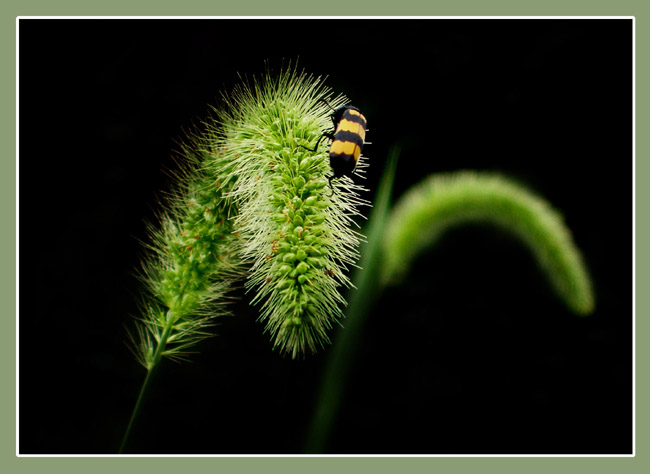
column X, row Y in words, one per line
column 324, row 135
column 331, row 188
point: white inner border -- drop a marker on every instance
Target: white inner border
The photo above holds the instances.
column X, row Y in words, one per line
column 337, row 18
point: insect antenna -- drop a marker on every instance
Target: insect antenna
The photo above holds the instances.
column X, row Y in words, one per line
column 326, row 103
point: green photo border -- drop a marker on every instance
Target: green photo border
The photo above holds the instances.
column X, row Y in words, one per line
column 10, row 463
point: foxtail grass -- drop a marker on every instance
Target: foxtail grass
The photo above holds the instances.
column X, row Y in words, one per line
column 397, row 236
column 251, row 202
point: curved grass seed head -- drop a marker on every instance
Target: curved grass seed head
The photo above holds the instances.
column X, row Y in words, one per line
column 296, row 233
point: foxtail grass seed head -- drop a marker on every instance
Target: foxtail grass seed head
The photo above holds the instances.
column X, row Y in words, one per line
column 250, row 195
column 442, row 201
column 297, row 235
column 193, row 259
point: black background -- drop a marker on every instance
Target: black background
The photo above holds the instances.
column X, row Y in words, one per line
column 472, row 354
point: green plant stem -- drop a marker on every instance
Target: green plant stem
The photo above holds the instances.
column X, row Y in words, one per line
column 146, row 384
column 366, row 280
column 415, row 223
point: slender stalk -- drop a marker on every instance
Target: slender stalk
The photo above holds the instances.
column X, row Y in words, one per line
column 366, row 280
column 145, row 385
column 416, row 222
column 136, row 411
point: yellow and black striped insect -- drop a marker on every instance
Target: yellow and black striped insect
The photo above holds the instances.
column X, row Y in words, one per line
column 347, row 140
